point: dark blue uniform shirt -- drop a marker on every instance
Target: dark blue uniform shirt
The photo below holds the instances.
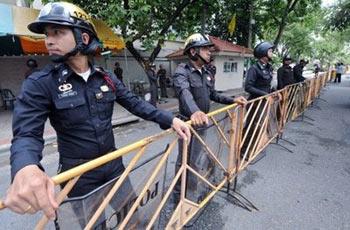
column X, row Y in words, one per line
column 195, row 89
column 258, row 80
column 284, row 76
column 79, row 111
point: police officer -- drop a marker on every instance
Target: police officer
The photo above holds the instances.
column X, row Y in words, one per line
column 161, row 74
column 259, row 76
column 285, row 75
column 298, row 71
column 257, row 84
column 32, row 67
column 194, row 88
column 118, row 71
column 78, row 99
column 153, row 85
column 211, row 68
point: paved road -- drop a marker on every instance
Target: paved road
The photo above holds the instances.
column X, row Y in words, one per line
column 304, row 190
column 307, row 189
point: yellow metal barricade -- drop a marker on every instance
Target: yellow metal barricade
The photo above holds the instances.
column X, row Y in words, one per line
column 142, row 196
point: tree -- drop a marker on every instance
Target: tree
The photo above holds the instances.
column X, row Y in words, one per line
column 278, row 14
column 263, row 16
column 149, row 21
column 339, row 17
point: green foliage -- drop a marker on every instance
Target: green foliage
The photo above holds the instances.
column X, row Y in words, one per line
column 304, row 28
column 339, row 16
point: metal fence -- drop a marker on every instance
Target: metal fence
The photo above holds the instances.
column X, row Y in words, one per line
column 143, row 196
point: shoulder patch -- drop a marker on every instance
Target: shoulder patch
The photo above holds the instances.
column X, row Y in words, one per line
column 99, row 69
column 183, row 69
column 183, row 65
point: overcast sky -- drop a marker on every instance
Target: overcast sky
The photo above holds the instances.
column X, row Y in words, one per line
column 326, row 3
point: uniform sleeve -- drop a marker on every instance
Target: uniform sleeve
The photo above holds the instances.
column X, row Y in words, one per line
column 251, row 82
column 182, row 90
column 141, row 108
column 29, row 117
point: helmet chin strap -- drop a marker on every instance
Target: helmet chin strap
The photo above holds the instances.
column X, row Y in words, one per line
column 203, row 60
column 79, row 47
column 197, row 55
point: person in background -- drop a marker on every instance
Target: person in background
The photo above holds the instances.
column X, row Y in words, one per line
column 211, row 68
column 340, row 69
column 298, row 71
column 32, row 67
column 153, row 83
column 285, row 74
column 118, row 71
column 317, row 69
column 161, row 74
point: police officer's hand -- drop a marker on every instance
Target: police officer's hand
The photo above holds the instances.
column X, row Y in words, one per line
column 240, row 100
column 277, row 96
column 32, row 190
column 182, row 129
column 199, row 118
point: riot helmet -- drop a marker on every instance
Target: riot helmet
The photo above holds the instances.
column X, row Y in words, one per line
column 261, row 49
column 196, row 41
column 67, row 14
column 31, row 63
column 287, row 58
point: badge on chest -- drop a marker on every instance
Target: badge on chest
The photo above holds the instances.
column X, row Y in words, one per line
column 104, row 89
column 66, row 90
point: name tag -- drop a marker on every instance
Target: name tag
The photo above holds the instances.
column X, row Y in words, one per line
column 104, row 88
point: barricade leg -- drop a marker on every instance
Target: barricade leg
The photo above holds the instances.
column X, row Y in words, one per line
column 237, row 198
column 280, row 137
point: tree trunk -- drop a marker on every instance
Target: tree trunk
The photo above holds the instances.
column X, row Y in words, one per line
column 250, row 30
column 289, row 8
column 135, row 53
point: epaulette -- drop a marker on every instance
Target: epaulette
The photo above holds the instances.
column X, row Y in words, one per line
column 103, row 71
column 184, row 65
column 43, row 72
column 107, row 76
column 99, row 69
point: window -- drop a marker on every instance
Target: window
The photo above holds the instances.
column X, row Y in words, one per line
column 234, row 67
column 227, row 67
column 230, row 67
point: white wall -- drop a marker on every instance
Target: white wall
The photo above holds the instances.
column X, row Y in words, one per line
column 132, row 70
column 228, row 80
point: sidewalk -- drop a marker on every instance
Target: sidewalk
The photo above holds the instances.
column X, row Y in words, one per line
column 120, row 116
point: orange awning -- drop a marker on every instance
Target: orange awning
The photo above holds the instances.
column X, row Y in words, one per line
column 32, row 45
column 17, row 18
